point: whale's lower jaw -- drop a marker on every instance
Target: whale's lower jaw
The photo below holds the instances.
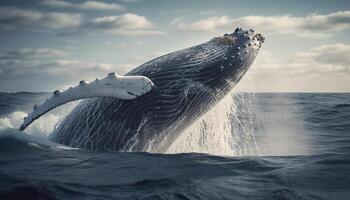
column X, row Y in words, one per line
column 188, row 83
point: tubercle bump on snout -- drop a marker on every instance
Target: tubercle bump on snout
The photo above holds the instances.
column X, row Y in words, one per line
column 260, row 37
column 249, row 34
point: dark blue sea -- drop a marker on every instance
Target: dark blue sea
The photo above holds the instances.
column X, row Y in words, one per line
column 301, row 151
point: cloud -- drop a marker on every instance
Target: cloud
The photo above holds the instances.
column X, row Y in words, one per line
column 70, row 68
column 45, row 61
column 15, row 18
column 312, row 25
column 56, row 74
column 74, row 66
column 28, row 53
column 47, row 69
column 129, row 23
column 331, row 54
column 87, row 5
column 131, row 1
column 323, row 68
column 42, row 75
column 322, row 60
column 12, row 18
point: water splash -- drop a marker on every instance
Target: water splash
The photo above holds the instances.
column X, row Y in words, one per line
column 281, row 131
column 227, row 129
column 43, row 127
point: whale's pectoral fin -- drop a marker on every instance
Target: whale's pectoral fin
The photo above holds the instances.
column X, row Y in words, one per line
column 121, row 87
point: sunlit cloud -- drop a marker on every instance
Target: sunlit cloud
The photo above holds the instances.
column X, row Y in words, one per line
column 76, row 68
column 15, row 18
column 313, row 25
column 304, row 71
column 325, row 59
column 87, row 5
column 127, row 21
column 12, row 18
column 131, row 1
column 28, row 53
column 53, row 74
column 129, row 24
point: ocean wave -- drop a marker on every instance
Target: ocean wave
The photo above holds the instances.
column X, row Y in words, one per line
column 343, row 105
column 32, row 166
column 15, row 140
column 31, row 190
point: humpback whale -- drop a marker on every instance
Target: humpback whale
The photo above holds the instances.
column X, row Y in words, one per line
column 147, row 108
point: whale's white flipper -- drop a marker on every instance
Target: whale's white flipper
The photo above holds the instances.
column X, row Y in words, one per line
column 121, row 87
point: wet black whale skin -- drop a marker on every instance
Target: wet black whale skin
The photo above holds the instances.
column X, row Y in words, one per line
column 188, row 83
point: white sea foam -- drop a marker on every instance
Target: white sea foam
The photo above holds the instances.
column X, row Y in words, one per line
column 39, row 131
column 221, row 131
column 281, row 130
column 42, row 127
column 240, row 125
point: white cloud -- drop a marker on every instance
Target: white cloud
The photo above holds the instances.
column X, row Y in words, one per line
column 313, row 25
column 15, row 18
column 15, row 68
column 321, row 69
column 41, row 75
column 331, row 54
column 12, row 18
column 87, row 5
column 129, row 23
column 46, row 61
column 131, row 1
column 26, row 53
column 326, row 59
column 57, row 20
column 56, row 3
column 74, row 66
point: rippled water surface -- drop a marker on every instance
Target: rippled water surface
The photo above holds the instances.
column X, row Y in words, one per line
column 301, row 151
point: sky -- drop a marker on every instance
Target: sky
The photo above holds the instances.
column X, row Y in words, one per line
column 53, row 44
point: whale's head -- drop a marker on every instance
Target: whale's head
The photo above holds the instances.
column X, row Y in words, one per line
column 239, row 50
column 247, row 39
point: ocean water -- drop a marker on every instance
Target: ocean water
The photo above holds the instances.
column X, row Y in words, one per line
column 250, row 146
